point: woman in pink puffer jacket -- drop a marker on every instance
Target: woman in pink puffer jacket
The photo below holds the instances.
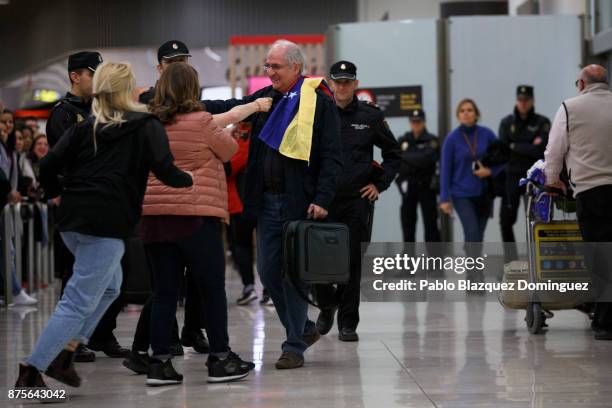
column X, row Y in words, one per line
column 182, row 229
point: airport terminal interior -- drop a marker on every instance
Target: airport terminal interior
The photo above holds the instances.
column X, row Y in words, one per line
column 316, row 158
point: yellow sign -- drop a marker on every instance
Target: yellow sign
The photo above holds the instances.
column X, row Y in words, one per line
column 46, row 95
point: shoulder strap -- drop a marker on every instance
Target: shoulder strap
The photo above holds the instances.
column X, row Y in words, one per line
column 566, row 117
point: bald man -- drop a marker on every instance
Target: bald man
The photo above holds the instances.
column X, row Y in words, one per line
column 580, row 138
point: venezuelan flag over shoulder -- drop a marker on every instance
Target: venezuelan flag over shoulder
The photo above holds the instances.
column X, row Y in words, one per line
column 288, row 129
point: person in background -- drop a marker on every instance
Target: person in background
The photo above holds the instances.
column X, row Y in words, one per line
column 7, row 117
column 30, row 165
column 363, row 127
column 463, row 185
column 75, row 106
column 19, row 142
column 241, row 229
column 32, row 123
column 525, row 132
column 8, row 168
column 121, row 144
column 417, row 178
column 28, row 137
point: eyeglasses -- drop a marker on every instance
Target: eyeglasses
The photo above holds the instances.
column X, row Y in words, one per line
column 273, row 67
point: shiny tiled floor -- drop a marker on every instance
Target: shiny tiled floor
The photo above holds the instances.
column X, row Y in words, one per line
column 472, row 354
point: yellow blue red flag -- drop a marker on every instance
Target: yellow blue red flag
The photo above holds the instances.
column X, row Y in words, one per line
column 288, row 129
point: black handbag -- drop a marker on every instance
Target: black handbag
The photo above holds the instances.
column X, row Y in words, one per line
column 315, row 253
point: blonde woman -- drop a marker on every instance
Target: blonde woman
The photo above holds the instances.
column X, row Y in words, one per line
column 105, row 162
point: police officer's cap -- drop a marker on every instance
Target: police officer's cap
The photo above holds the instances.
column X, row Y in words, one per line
column 172, row 49
column 524, row 91
column 417, row 114
column 343, row 70
column 84, row 59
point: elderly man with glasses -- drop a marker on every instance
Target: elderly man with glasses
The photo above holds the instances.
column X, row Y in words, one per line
column 580, row 139
column 285, row 183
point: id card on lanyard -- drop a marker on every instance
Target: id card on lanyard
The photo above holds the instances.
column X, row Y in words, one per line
column 473, row 149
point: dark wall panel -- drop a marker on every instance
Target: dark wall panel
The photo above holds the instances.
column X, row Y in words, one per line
column 34, row 31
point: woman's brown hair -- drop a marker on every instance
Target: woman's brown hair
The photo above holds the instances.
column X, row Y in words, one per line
column 471, row 102
column 176, row 92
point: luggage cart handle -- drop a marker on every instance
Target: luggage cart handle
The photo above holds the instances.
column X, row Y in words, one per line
column 550, row 190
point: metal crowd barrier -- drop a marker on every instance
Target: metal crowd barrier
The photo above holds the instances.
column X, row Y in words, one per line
column 39, row 264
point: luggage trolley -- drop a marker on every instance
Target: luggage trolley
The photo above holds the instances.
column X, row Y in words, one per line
column 554, row 254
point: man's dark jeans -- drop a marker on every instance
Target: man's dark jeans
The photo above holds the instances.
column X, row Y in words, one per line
column 291, row 308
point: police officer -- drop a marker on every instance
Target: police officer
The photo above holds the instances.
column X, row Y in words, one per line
column 417, row 178
column 363, row 127
column 526, row 133
column 75, row 106
column 169, row 52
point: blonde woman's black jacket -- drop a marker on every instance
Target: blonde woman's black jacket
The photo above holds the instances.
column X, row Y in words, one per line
column 102, row 189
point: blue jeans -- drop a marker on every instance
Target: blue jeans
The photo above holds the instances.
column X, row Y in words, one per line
column 94, row 285
column 291, row 308
column 16, row 285
column 473, row 222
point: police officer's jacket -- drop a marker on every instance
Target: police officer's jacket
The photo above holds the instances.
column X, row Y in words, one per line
column 69, row 110
column 363, row 127
column 419, row 158
column 519, row 134
column 147, row 96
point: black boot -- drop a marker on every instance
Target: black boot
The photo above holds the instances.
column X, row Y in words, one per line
column 62, row 369
column 29, row 377
column 325, row 321
column 84, row 355
column 110, row 347
column 137, row 361
column 30, row 380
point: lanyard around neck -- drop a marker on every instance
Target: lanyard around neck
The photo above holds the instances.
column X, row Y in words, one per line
column 472, row 146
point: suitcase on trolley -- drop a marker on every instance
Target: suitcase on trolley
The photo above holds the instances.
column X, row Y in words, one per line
column 555, row 255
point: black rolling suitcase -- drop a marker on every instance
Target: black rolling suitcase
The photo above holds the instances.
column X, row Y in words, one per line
column 315, row 253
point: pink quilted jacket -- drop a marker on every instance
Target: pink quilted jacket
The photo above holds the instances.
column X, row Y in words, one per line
column 200, row 147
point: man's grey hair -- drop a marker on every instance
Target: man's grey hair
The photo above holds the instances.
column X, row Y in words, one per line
column 593, row 74
column 293, row 53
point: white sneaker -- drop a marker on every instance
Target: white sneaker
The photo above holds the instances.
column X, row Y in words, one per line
column 23, row 311
column 23, row 299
